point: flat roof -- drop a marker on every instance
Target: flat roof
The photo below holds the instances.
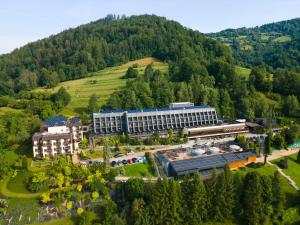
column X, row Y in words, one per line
column 185, row 166
column 60, row 121
column 56, row 121
column 156, row 109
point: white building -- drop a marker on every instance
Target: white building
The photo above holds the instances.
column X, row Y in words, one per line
column 57, row 136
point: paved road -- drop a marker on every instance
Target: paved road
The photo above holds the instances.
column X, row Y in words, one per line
column 278, row 154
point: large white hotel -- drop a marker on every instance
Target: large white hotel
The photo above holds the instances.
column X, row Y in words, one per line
column 197, row 121
column 57, row 136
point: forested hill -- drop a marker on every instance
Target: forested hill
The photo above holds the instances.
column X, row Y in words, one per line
column 73, row 53
column 276, row 44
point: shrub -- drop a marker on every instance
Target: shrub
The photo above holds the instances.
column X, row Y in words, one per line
column 284, row 163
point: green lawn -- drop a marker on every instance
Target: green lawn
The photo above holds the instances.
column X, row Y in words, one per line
column 38, row 165
column 293, row 168
column 269, row 170
column 102, row 83
column 4, row 190
column 282, row 39
column 244, row 72
column 137, row 170
column 93, row 154
column 18, row 183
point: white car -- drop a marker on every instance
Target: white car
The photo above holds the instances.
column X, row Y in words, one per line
column 130, row 153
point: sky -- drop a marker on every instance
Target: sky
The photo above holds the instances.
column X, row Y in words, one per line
column 23, row 21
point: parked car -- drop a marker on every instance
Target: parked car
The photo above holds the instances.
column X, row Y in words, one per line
column 134, row 160
column 119, row 162
column 140, row 159
column 129, row 161
column 130, row 153
column 113, row 163
column 124, row 161
column 118, row 155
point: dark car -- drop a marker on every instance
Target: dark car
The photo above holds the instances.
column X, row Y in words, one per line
column 134, row 160
column 124, row 161
column 113, row 163
column 118, row 155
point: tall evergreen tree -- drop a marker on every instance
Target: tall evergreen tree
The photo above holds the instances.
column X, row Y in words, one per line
column 158, row 204
column 267, row 198
column 229, row 196
column 211, row 190
column 93, row 103
column 252, row 199
column 219, row 200
column 148, row 73
column 139, row 213
column 194, row 200
column 106, row 154
column 174, row 204
column 279, row 196
column 268, row 148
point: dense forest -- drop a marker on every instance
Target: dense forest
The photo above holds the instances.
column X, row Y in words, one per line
column 276, row 45
column 224, row 89
column 106, row 42
column 252, row 199
column 201, row 70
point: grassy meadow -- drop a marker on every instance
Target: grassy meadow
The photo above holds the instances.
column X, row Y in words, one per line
column 102, row 83
column 242, row 71
column 293, row 168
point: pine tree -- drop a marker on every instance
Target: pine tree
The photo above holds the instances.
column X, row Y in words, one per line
column 139, row 214
column 148, row 74
column 93, row 105
column 267, row 197
column 252, row 199
column 229, row 194
column 158, row 204
column 174, row 204
column 268, row 148
column 219, row 200
column 238, row 181
column 211, row 194
column 171, row 137
column 194, row 200
column 106, row 154
column 279, row 195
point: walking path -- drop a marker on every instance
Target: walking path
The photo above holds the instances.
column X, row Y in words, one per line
column 122, row 178
column 278, row 154
column 291, row 181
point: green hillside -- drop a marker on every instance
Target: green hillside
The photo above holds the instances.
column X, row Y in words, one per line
column 102, row 83
column 275, row 44
column 108, row 42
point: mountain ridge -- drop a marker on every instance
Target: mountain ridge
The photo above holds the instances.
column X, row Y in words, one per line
column 73, row 53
